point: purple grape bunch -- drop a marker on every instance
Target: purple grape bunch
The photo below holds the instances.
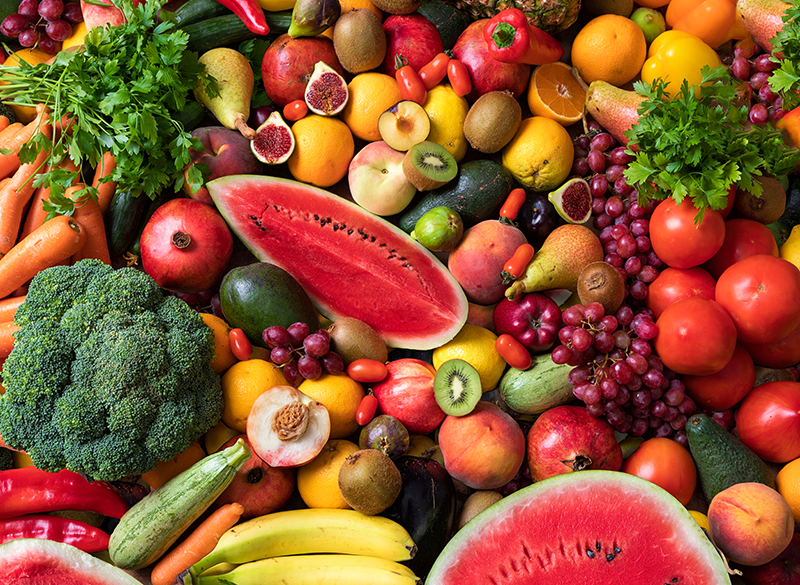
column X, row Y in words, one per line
column 43, row 24
column 754, row 67
column 302, row 354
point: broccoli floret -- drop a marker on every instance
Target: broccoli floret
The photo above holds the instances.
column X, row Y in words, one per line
column 108, row 375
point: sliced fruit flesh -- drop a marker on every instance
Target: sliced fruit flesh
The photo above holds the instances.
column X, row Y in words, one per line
column 573, row 201
column 326, row 93
column 274, row 141
column 559, row 91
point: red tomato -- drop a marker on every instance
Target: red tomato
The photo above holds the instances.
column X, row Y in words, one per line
column 762, row 295
column 667, row 464
column 678, row 241
column 434, row 71
column 727, row 387
column 459, row 78
column 240, row 345
column 743, row 238
column 695, row 337
column 367, row 371
column 295, row 110
column 674, row 284
column 768, row 421
column 366, row 409
column 516, row 355
column 778, row 354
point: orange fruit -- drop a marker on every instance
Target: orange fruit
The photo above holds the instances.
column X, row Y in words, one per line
column 348, row 5
column 33, row 57
column 371, row 94
column 555, row 93
column 788, row 484
column 611, row 48
column 318, row 480
column 341, row 395
column 242, row 384
column 323, row 150
column 223, row 356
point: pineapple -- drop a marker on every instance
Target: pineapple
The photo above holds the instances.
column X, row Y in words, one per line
column 549, row 15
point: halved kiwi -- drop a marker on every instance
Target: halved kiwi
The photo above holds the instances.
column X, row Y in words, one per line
column 457, row 387
column 428, row 165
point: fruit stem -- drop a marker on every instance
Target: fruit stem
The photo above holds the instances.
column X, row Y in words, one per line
column 181, row 240
column 246, row 131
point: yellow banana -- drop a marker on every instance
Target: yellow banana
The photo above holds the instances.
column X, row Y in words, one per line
column 313, row 530
column 325, row 569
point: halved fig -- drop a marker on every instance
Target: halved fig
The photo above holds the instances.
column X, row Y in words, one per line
column 287, row 428
column 326, row 91
column 573, row 200
column 274, row 141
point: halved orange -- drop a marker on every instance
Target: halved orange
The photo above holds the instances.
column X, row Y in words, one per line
column 555, row 93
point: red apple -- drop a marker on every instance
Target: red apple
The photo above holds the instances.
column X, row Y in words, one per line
column 533, row 319
column 261, row 489
column 94, row 15
column 414, row 37
column 407, row 394
column 782, row 570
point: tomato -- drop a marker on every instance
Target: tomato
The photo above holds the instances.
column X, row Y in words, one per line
column 762, row 295
column 458, row 76
column 727, row 387
column 432, row 73
column 512, row 204
column 366, row 409
column 779, row 354
column 518, row 262
column 409, row 83
column 768, row 421
column 667, row 464
column 674, row 284
column 695, row 337
column 743, row 238
column 295, row 110
column 367, row 371
column 240, row 345
column 516, row 355
column 678, row 241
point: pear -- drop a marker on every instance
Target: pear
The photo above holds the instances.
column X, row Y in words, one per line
column 615, row 109
column 235, row 83
column 762, row 19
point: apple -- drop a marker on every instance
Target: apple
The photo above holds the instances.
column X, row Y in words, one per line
column 94, row 15
column 533, row 319
column 782, row 570
column 226, row 152
column 261, row 489
column 404, row 124
column 406, row 393
column 376, row 179
column 414, row 37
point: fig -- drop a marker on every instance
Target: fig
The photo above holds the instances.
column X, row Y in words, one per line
column 573, row 200
column 326, row 93
column 311, row 17
column 386, row 434
column 439, row 229
column 274, row 141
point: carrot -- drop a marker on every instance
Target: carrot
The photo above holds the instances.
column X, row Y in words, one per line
column 8, row 307
column 55, row 240
column 197, row 545
column 4, row 122
column 36, row 214
column 10, row 162
column 9, row 131
column 88, row 214
column 105, row 191
column 7, row 331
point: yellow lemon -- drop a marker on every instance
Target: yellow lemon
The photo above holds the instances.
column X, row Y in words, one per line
column 447, row 113
column 790, row 250
column 476, row 346
column 341, row 395
column 540, row 154
column 242, row 383
column 318, row 480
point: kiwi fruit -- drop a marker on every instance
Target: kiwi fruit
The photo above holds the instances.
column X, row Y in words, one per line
column 602, row 283
column 766, row 209
column 359, row 40
column 397, row 6
column 428, row 165
column 457, row 387
column 476, row 503
column 369, row 481
column 765, row 375
column 492, row 121
column 353, row 339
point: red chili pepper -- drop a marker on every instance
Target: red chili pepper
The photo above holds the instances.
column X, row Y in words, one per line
column 250, row 12
column 516, row 355
column 28, row 490
column 513, row 204
column 240, row 345
column 295, row 110
column 458, row 76
column 511, row 39
column 367, row 371
column 366, row 409
column 411, row 87
column 434, row 71
column 74, row 532
column 516, row 265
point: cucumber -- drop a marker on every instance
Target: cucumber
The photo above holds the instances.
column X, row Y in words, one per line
column 544, row 385
column 196, row 10
column 722, row 460
column 191, row 115
column 153, row 524
column 222, row 31
column 122, row 219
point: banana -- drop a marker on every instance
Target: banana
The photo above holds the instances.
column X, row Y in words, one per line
column 323, row 569
column 314, row 530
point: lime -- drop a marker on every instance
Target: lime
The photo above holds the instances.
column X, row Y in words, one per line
column 440, row 229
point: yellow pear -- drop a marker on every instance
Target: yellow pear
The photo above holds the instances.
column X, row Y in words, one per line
column 235, row 84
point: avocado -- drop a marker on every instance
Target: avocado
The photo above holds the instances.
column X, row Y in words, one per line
column 791, row 214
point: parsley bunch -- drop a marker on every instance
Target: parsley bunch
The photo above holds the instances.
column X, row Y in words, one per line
column 122, row 91
column 699, row 143
column 785, row 80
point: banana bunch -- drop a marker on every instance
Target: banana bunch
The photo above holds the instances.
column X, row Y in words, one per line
column 319, row 546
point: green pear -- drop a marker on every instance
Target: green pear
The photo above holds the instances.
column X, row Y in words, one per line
column 615, row 109
column 762, row 19
column 235, row 83
column 650, row 21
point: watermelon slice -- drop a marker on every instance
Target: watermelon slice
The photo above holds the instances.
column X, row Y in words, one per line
column 590, row 527
column 350, row 262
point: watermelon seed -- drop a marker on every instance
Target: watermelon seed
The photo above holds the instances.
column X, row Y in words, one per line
column 597, row 546
column 609, row 557
column 590, row 553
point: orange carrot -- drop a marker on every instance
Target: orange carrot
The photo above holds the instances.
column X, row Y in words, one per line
column 36, row 213
column 8, row 307
column 88, row 214
column 4, row 123
column 197, row 545
column 7, row 331
column 105, row 191
column 55, row 240
column 9, row 131
column 10, row 162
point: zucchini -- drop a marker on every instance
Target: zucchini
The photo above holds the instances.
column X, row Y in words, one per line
column 122, row 219
column 152, row 525
column 191, row 115
column 544, row 385
column 222, row 31
column 196, row 10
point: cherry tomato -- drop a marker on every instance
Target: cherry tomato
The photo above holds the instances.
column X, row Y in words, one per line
column 367, row 371
column 667, row 464
column 434, row 71
column 783, row 353
column 727, row 387
column 678, row 241
column 366, row 409
column 768, row 421
column 695, row 337
column 458, row 76
column 511, row 350
column 409, row 83
column 513, row 204
column 762, row 295
column 516, row 265
column 674, row 284
column 240, row 345
column 743, row 238
column 295, row 110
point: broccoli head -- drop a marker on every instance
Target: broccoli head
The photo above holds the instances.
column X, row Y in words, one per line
column 108, row 375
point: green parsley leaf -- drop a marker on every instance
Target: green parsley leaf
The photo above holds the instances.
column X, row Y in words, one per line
column 785, row 80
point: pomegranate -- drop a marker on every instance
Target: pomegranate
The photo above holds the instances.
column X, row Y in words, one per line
column 186, row 246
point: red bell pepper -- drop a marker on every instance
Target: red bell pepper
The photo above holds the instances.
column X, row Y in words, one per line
column 511, row 39
column 74, row 532
column 250, row 12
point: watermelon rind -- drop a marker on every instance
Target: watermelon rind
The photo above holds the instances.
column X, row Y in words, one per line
column 350, row 262
column 592, row 527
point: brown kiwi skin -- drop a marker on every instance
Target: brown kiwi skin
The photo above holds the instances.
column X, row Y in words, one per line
column 369, row 481
column 766, row 209
column 359, row 40
column 492, row 121
column 476, row 503
column 353, row 339
column 601, row 282
column 397, row 6
column 421, row 181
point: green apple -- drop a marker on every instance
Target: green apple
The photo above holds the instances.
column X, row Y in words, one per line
column 650, row 21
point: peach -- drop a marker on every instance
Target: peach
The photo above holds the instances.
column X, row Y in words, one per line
column 478, row 260
column 376, row 179
column 483, row 449
column 94, row 15
column 751, row 523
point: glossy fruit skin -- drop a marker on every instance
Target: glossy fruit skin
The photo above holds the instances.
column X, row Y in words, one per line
column 674, row 284
column 537, row 217
column 240, row 345
column 727, row 387
column 779, row 354
column 768, row 421
column 695, row 336
column 532, row 318
column 743, row 238
column 667, row 464
column 678, row 241
column 762, row 295
column 513, row 352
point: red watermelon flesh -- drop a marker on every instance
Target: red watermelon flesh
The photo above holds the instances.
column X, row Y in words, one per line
column 350, row 262
column 585, row 528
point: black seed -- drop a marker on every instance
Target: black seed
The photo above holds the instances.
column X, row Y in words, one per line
column 360, row 231
column 322, row 222
column 674, row 579
column 390, row 256
column 258, row 223
column 364, row 236
column 263, row 229
column 342, row 226
column 590, row 553
column 617, row 550
column 350, row 231
column 609, row 557
column 406, row 265
column 316, row 217
column 252, row 217
column 335, row 227
column 402, row 257
column 372, row 238
column 598, row 546
column 382, row 246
